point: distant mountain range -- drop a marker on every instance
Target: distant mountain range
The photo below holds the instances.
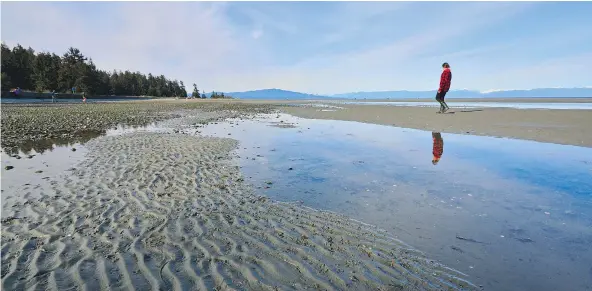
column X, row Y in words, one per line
column 540, row 92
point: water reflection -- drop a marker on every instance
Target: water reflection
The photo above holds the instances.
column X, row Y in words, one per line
column 438, row 147
column 510, row 222
column 41, row 146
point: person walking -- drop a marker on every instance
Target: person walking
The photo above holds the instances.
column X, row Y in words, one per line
column 445, row 80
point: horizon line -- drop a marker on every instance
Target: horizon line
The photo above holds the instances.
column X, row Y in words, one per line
column 403, row 90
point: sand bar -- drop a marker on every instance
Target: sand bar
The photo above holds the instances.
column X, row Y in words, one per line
column 570, row 127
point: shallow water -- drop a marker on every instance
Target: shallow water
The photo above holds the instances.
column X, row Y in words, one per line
column 35, row 165
column 37, row 162
column 514, row 215
column 454, row 104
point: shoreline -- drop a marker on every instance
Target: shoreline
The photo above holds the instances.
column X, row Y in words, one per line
column 505, row 100
column 491, row 100
column 567, row 127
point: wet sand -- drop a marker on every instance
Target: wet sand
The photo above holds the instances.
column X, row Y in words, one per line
column 571, row 127
column 24, row 123
column 171, row 211
column 504, row 100
column 332, row 100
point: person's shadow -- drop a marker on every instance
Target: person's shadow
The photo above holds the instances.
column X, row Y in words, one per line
column 438, row 147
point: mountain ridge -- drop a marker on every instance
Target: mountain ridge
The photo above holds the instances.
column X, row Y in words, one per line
column 275, row 93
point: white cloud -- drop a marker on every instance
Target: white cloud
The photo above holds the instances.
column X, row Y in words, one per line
column 192, row 42
column 257, row 33
column 204, row 43
column 352, row 18
column 265, row 20
column 384, row 67
column 571, row 71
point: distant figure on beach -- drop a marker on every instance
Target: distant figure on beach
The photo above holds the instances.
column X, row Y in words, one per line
column 73, row 90
column 16, row 92
column 84, row 97
column 438, row 148
column 445, row 80
column 53, row 96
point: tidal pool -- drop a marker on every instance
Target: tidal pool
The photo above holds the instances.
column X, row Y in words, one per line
column 513, row 214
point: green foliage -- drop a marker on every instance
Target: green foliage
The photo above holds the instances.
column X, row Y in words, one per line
column 47, row 71
column 219, row 96
column 195, row 93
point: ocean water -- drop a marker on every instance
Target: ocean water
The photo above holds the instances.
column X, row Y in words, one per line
column 454, row 104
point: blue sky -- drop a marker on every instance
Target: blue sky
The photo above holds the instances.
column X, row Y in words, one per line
column 320, row 47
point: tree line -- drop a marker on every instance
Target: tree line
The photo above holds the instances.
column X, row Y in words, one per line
column 45, row 72
column 215, row 95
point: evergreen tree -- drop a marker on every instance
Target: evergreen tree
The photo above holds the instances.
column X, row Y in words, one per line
column 42, row 70
column 71, row 73
column 8, row 67
column 183, row 90
column 47, row 71
column 22, row 73
column 195, row 91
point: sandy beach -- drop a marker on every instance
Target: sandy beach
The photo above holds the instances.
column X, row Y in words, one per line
column 171, row 211
column 296, row 146
column 570, row 127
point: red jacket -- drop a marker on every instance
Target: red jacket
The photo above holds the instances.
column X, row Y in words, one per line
column 438, row 148
column 445, row 80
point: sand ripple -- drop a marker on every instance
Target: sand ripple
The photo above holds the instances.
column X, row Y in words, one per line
column 155, row 211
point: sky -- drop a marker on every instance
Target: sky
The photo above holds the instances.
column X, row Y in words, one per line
column 320, row 47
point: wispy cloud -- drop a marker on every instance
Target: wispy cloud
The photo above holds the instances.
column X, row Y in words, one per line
column 257, row 33
column 554, row 72
column 318, row 47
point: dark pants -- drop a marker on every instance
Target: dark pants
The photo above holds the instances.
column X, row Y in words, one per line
column 440, row 96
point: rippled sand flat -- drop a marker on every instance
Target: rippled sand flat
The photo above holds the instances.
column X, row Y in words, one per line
column 150, row 211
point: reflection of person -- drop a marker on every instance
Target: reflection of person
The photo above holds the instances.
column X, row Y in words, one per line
column 445, row 80
column 438, row 149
